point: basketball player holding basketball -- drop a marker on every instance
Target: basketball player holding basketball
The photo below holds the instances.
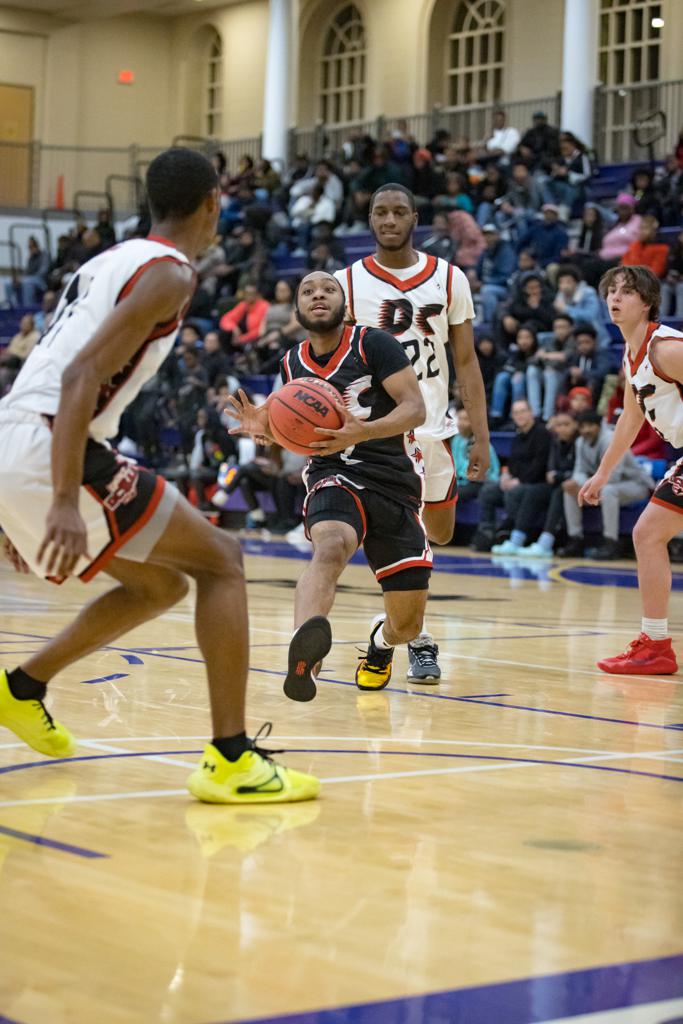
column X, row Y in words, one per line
column 426, row 304
column 364, row 486
column 70, row 505
column 653, row 367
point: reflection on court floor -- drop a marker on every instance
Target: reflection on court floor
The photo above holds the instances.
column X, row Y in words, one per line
column 503, row 848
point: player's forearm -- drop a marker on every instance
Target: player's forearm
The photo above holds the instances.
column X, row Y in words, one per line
column 624, row 435
column 70, row 432
column 407, row 415
column 470, row 391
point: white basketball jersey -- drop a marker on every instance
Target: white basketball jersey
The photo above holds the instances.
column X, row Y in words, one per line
column 659, row 397
column 86, row 302
column 416, row 304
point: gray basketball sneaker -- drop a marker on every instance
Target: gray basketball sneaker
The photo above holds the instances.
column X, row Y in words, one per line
column 422, row 654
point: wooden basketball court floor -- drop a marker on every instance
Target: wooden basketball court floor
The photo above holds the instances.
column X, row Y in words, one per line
column 500, row 849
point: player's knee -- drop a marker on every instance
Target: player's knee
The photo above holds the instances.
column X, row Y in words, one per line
column 440, row 534
column 330, row 553
column 159, row 593
column 639, row 537
column 229, row 559
column 176, row 588
column 405, row 626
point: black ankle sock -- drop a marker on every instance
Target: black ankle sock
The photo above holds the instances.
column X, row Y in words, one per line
column 25, row 687
column 232, row 747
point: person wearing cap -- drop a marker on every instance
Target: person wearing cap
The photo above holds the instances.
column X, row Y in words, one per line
column 494, row 267
column 548, row 238
column 619, row 238
column 578, row 400
column 541, row 140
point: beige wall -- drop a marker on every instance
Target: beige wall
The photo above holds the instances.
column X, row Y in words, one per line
column 244, row 31
column 113, row 114
column 73, row 67
column 22, row 62
column 534, row 49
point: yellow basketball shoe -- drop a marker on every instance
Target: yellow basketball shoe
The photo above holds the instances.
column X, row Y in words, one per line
column 254, row 778
column 374, row 670
column 32, row 722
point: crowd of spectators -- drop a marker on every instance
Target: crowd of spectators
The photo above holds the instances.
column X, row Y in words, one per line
column 509, row 209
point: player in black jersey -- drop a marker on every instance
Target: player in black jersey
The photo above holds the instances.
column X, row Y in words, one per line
column 364, row 487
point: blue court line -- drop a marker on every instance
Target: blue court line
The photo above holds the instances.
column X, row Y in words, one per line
column 432, row 696
column 105, row 679
column 132, row 659
column 53, row 844
column 331, row 750
column 6, row 1020
column 527, row 1001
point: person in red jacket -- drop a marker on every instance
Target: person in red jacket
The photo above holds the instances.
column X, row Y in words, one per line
column 241, row 326
column 645, row 251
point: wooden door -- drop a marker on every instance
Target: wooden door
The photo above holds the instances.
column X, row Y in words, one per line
column 16, row 131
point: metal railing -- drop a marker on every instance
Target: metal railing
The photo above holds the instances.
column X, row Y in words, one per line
column 473, row 123
column 36, row 175
column 619, row 109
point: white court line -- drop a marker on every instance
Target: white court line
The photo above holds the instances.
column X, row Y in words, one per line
column 96, row 797
column 553, row 668
column 371, row 777
column 354, row 739
column 160, row 759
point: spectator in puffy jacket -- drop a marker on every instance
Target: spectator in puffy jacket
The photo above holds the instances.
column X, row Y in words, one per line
column 617, row 240
column 548, row 238
column 494, row 267
column 646, row 251
column 242, row 325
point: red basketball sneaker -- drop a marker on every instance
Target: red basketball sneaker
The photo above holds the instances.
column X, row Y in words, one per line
column 643, row 656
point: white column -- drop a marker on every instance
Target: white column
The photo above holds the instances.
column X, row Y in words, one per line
column 579, row 67
column 278, row 84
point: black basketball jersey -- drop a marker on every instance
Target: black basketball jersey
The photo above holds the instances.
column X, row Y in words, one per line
column 364, row 358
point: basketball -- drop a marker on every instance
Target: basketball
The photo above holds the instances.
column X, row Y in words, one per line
column 298, row 408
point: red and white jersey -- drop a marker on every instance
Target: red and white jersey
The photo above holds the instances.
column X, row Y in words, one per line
column 86, row 302
column 659, row 397
column 417, row 305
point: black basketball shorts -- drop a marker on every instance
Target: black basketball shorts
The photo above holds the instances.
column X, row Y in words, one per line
column 392, row 535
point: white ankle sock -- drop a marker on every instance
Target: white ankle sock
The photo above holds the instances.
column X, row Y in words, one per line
column 379, row 641
column 656, row 629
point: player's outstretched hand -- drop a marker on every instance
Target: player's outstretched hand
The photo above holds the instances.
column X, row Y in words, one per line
column 479, row 459
column 590, row 492
column 252, row 419
column 353, row 431
column 65, row 541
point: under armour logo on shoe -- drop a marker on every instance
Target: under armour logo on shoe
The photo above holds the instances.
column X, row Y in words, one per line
column 209, row 766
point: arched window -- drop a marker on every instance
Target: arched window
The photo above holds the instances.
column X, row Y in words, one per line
column 342, row 68
column 630, row 35
column 213, row 92
column 475, row 53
